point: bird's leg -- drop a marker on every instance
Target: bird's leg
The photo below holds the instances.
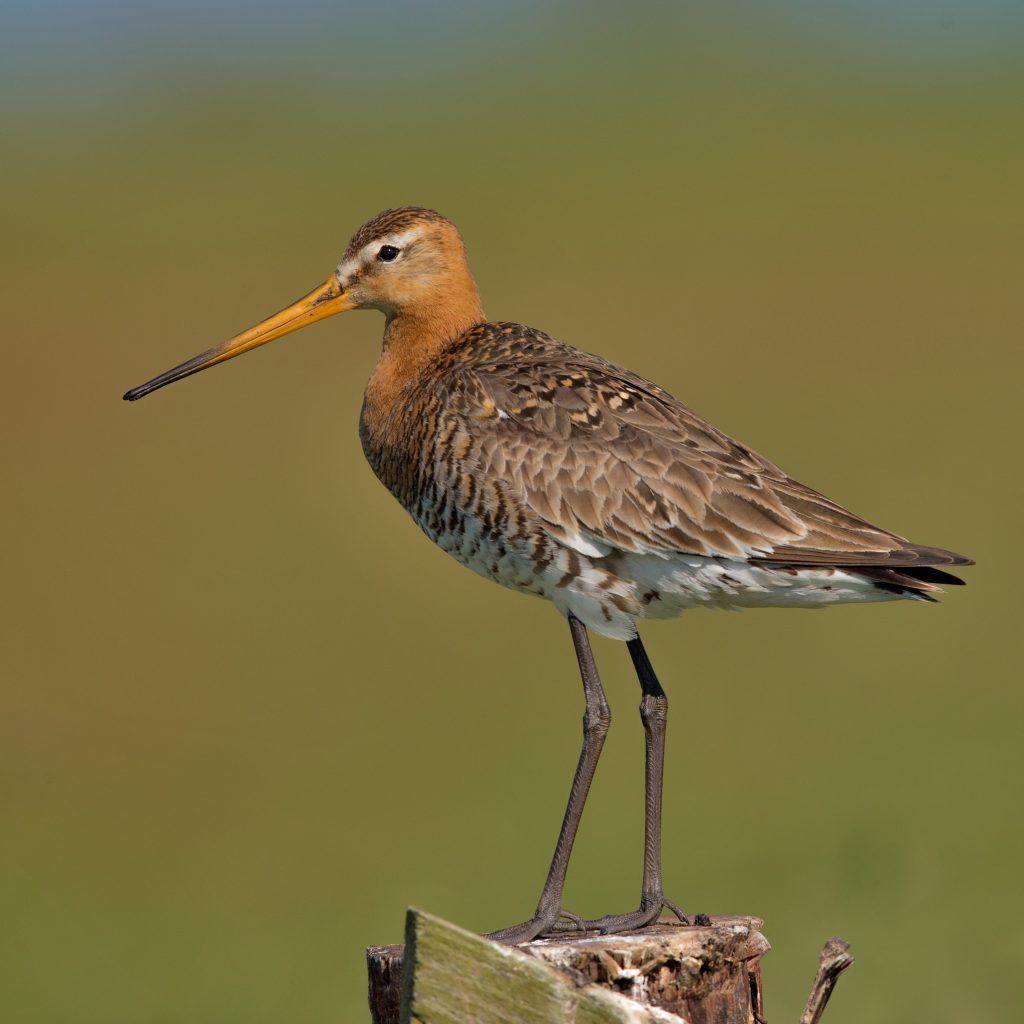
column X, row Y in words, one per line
column 596, row 719
column 654, row 714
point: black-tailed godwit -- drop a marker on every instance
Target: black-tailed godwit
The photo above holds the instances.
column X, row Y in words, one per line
column 557, row 473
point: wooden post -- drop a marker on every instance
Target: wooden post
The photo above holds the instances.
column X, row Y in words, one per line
column 665, row 974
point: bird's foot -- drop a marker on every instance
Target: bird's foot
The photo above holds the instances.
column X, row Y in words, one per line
column 649, row 912
column 544, row 922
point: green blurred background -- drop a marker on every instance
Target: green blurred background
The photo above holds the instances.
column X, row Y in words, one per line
column 249, row 714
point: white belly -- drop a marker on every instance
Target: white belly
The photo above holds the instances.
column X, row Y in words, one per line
column 663, row 587
column 609, row 594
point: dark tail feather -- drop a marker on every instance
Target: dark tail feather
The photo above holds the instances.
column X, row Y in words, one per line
column 919, row 581
column 929, row 574
column 909, row 571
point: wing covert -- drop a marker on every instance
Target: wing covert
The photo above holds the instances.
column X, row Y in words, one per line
column 610, row 462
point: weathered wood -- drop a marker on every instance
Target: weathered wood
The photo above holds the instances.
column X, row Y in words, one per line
column 700, row 973
column 451, row 976
column 384, row 967
column 835, row 958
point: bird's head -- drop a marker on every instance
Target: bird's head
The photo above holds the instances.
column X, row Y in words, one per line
column 403, row 260
column 409, row 261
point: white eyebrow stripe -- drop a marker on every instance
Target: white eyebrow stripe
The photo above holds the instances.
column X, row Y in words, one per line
column 368, row 253
column 370, row 250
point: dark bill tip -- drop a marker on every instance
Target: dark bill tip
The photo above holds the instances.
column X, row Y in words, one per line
column 186, row 369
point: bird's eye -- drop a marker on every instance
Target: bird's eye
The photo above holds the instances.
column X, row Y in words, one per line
column 387, row 253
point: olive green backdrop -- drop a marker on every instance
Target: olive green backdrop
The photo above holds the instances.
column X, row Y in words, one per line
column 249, row 714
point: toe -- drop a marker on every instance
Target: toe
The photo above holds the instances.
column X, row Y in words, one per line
column 517, row 933
column 546, row 923
column 669, row 905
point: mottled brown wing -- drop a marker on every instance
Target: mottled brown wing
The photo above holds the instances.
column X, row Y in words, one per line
column 609, row 461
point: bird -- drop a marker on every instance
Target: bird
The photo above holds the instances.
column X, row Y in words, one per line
column 560, row 474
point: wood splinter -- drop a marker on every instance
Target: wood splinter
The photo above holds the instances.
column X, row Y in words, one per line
column 835, row 958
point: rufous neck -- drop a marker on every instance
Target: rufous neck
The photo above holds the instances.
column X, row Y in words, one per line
column 430, row 328
column 413, row 338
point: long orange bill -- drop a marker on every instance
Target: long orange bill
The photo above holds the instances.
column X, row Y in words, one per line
column 322, row 302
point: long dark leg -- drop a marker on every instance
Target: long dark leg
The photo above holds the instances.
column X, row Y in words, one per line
column 654, row 714
column 596, row 719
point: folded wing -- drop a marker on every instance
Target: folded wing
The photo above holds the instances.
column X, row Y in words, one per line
column 609, row 461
